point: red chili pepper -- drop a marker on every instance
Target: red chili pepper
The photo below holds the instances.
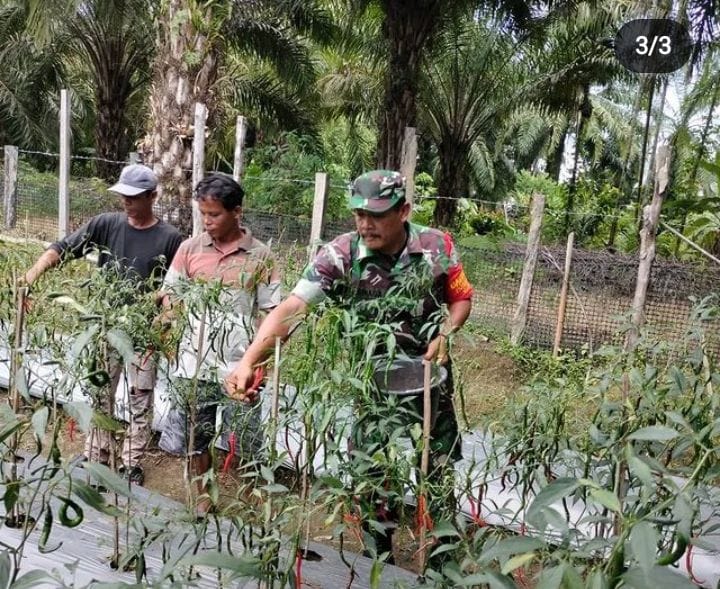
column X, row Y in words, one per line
column 231, row 453
column 259, row 375
column 353, row 522
column 71, row 429
column 475, row 507
column 298, row 569
column 422, row 516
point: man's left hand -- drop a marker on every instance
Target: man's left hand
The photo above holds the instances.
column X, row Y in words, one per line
column 437, row 350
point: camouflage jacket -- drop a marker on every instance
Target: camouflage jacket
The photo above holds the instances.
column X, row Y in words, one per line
column 408, row 290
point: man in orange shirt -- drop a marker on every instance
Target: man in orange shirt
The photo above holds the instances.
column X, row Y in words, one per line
column 228, row 257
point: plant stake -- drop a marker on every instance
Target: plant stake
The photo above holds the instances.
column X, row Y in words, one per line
column 424, row 464
column 14, row 518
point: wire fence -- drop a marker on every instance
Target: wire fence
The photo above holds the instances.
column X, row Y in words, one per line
column 602, row 283
column 598, row 306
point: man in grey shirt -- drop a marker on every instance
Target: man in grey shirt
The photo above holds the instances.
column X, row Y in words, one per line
column 142, row 246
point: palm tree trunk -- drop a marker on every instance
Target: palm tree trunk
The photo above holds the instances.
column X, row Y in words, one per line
column 453, row 182
column 555, row 158
column 583, row 114
column 622, row 184
column 109, row 136
column 643, row 153
column 408, row 26
column 178, row 83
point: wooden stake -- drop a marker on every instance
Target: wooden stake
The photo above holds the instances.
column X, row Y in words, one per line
column 15, row 368
column 531, row 253
column 16, row 358
column 238, row 160
column 651, row 217
column 64, row 172
column 318, row 215
column 275, row 400
column 10, row 186
column 198, row 169
column 563, row 294
column 425, row 459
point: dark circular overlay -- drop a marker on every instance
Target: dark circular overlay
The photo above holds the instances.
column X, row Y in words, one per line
column 653, row 45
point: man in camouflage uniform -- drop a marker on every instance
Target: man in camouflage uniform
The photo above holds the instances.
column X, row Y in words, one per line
column 385, row 260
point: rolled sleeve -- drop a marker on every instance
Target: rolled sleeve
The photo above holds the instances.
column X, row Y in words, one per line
column 178, row 268
column 269, row 295
column 310, row 292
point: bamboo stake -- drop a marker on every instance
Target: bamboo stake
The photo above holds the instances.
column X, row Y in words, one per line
column 192, row 497
column 425, row 459
column 275, row 400
column 15, row 367
column 16, row 360
column 691, row 243
column 274, row 411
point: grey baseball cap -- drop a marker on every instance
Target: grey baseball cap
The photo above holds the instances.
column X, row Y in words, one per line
column 135, row 179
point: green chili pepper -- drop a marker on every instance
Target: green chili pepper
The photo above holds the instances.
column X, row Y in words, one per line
column 63, row 514
column 675, row 555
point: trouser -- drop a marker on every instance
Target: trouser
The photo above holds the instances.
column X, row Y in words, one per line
column 141, row 375
column 372, row 434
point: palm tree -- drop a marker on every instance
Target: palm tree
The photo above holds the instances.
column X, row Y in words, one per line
column 107, row 41
column 113, row 36
column 193, row 40
column 350, row 82
column 30, row 79
column 469, row 86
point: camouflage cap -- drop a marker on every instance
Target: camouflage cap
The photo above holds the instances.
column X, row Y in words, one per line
column 377, row 191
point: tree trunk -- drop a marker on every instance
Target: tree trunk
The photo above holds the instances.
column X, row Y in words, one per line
column 408, row 27
column 178, row 83
column 583, row 114
column 110, row 139
column 625, row 190
column 555, row 158
column 452, row 183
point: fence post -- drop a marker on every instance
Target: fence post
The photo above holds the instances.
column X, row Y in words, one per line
column 238, row 162
column 318, row 214
column 10, row 186
column 134, row 157
column 408, row 161
column 64, row 175
column 651, row 217
column 198, row 169
column 563, row 294
column 531, row 253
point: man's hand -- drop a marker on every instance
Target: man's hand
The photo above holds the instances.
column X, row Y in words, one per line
column 27, row 302
column 437, row 350
column 239, row 384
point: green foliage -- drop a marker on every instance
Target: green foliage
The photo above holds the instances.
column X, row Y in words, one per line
column 540, row 365
column 280, row 178
column 39, row 196
column 651, row 417
column 615, row 431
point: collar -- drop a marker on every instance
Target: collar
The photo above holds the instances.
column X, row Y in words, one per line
column 412, row 245
column 244, row 243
